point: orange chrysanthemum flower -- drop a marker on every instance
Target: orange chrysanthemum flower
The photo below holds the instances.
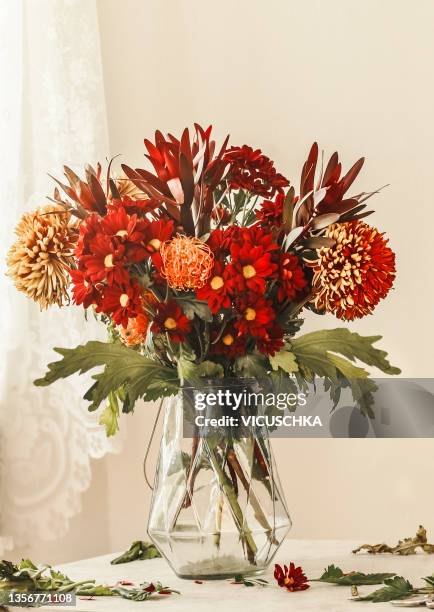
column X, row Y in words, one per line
column 135, row 331
column 351, row 277
column 187, row 262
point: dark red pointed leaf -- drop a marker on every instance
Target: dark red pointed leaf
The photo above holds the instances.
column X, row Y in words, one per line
column 351, row 175
column 187, row 179
column 185, row 147
column 329, row 174
column 97, row 194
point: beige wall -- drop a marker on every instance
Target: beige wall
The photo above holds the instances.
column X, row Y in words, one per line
column 356, row 76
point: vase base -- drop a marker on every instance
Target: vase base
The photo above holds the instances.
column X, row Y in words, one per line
column 222, row 576
column 220, row 568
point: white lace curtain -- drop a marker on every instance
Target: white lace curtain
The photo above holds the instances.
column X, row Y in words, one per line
column 52, row 111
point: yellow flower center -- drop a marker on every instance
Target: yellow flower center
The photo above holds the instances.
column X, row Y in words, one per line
column 249, row 271
column 250, row 314
column 217, row 283
column 228, row 340
column 170, row 323
column 155, row 244
column 108, row 261
column 123, row 300
column 122, row 233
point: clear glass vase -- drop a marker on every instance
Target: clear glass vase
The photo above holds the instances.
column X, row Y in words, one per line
column 217, row 509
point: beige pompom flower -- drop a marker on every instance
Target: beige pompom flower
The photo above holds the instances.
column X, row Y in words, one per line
column 40, row 258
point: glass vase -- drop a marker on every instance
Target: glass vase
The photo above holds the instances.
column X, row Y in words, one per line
column 217, row 508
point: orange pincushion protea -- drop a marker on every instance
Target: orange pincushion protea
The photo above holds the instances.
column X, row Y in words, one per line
column 187, row 262
column 351, row 277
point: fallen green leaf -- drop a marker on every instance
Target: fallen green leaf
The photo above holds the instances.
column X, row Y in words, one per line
column 137, row 551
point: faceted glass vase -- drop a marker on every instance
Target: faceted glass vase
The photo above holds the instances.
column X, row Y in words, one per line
column 217, row 508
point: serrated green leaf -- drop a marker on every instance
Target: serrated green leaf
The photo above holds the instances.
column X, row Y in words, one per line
column 188, row 371
column 349, row 344
column 192, row 307
column 329, row 353
column 429, row 580
column 286, row 360
column 334, row 575
column 124, row 367
column 361, row 385
column 396, row 588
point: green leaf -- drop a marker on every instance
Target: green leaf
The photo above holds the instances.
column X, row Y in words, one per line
column 193, row 307
column 124, row 367
column 137, row 551
column 144, row 592
column 396, row 588
column 361, row 385
column 330, row 353
column 188, row 371
column 334, row 575
column 286, row 360
column 316, row 345
column 109, row 418
column 254, row 366
column 429, row 580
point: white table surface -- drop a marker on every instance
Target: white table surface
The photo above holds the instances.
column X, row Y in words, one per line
column 222, row 596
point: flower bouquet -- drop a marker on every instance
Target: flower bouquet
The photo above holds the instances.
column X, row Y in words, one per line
column 201, row 268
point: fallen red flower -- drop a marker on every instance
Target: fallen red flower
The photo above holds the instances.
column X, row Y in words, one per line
column 292, row 578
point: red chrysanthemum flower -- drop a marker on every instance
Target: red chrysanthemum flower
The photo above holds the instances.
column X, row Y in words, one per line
column 216, row 291
column 252, row 264
column 106, row 262
column 219, row 241
column 351, row 277
column 291, row 277
column 83, row 291
column 231, row 343
column 121, row 303
column 157, row 233
column 254, row 235
column 271, row 211
column 256, row 314
column 272, row 341
column 291, row 578
column 170, row 319
column 89, row 228
column 118, row 223
column 132, row 206
column 253, row 171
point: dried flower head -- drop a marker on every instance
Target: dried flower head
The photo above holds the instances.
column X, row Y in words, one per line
column 40, row 259
column 187, row 262
column 351, row 277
